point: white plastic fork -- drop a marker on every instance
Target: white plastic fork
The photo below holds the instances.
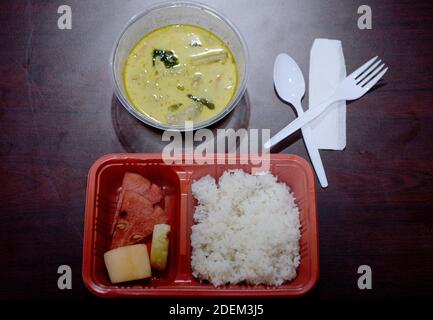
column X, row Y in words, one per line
column 353, row 87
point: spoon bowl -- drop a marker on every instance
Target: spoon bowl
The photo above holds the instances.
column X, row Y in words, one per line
column 288, row 79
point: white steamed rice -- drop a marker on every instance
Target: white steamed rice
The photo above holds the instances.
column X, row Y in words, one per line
column 247, row 230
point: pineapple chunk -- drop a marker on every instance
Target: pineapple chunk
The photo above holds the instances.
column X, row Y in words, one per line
column 128, row 263
column 159, row 250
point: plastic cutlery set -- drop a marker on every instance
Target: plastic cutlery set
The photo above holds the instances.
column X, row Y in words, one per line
column 290, row 86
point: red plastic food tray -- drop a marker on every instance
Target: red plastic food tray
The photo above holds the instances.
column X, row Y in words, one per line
column 105, row 177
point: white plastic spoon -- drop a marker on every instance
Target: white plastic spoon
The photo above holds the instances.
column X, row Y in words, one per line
column 290, row 86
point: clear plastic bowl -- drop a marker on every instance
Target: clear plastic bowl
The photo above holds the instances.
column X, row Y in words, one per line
column 178, row 13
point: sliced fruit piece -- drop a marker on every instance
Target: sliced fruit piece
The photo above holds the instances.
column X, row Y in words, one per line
column 154, row 194
column 159, row 249
column 128, row 263
column 135, row 182
column 142, row 186
column 135, row 219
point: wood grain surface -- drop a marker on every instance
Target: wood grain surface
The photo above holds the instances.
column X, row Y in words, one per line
column 58, row 115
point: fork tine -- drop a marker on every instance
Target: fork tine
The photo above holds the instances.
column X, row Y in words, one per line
column 370, row 76
column 358, row 71
column 373, row 81
column 367, row 72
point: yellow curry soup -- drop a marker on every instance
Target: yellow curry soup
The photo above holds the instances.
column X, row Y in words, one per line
column 179, row 73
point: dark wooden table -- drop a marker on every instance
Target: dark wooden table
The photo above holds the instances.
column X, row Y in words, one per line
column 58, row 115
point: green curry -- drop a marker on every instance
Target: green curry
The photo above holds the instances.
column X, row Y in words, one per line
column 179, row 73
